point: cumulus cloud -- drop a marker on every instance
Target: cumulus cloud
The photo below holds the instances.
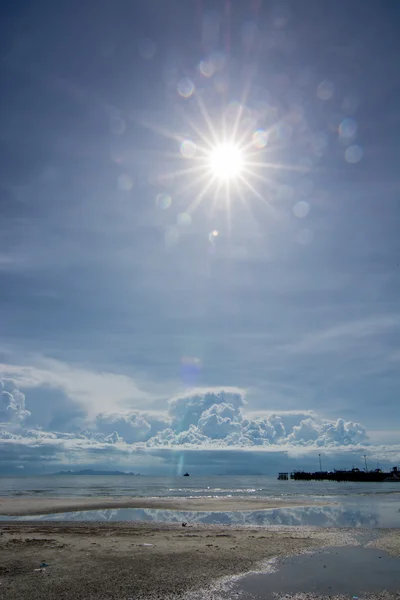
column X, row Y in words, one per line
column 12, row 403
column 214, row 421
column 306, row 431
column 131, row 427
column 218, row 420
column 187, row 410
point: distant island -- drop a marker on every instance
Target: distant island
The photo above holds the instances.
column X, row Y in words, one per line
column 94, row 472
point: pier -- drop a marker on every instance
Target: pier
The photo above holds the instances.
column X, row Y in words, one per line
column 354, row 474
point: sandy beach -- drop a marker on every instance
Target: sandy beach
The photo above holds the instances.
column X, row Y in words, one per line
column 145, row 561
column 14, row 506
column 137, row 560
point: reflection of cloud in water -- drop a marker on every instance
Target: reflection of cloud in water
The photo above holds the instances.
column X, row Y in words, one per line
column 320, row 516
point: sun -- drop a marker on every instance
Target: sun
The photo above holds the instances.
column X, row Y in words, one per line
column 222, row 158
column 226, row 161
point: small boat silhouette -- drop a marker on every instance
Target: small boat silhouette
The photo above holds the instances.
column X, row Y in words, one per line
column 186, row 475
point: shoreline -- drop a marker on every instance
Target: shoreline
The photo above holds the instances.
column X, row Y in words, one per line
column 146, row 561
column 138, row 560
column 34, row 505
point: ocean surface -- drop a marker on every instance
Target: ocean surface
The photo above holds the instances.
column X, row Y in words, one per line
column 224, row 485
column 351, row 504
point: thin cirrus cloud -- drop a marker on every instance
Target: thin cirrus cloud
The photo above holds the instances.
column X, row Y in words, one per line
column 93, row 390
column 337, row 337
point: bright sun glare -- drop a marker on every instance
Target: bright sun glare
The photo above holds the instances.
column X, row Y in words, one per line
column 226, row 161
column 223, row 162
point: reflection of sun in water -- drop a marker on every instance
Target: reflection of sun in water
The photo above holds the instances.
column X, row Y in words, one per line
column 226, row 161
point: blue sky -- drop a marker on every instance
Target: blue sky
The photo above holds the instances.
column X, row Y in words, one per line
column 171, row 313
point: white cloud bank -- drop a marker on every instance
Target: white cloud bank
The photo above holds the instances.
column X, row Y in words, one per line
column 12, row 403
column 211, row 419
column 218, row 420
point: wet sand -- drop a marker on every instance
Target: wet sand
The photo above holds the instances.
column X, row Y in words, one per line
column 389, row 542
column 110, row 561
column 28, row 505
column 139, row 560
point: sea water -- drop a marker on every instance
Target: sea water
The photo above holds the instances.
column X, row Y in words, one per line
column 225, row 485
column 348, row 504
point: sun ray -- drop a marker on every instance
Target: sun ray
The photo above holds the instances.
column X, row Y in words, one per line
column 237, row 121
column 255, row 175
column 256, row 193
column 228, row 206
column 276, row 166
column 246, row 205
column 198, row 131
column 194, row 183
column 207, row 118
column 270, row 182
column 160, row 130
column 216, row 194
column 187, row 171
column 192, row 207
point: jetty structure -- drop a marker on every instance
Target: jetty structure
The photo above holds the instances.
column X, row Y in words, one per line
column 354, row 474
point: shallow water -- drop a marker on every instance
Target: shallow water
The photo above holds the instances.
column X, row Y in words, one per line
column 352, row 571
column 358, row 504
column 94, row 485
column 366, row 512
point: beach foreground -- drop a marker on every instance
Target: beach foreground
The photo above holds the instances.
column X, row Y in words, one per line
column 141, row 560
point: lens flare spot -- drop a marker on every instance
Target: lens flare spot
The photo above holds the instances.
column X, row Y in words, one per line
column 319, row 143
column 347, row 129
column 163, row 201
column 206, row 68
column 354, row 154
column 188, row 149
column 185, row 87
column 213, row 235
column 301, row 209
column 260, row 138
column 325, row 90
column 184, row 220
column 190, row 369
column 125, row 182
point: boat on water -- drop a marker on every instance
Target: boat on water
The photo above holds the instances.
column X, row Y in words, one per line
column 186, row 475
